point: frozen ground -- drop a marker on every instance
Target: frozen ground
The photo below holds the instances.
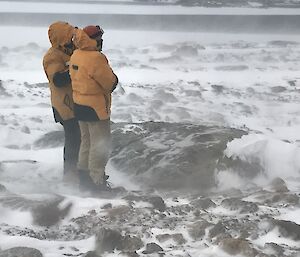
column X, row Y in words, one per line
column 243, row 81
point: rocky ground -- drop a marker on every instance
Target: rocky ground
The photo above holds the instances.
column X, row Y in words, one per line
column 166, row 218
column 178, row 205
column 146, row 224
column 230, row 3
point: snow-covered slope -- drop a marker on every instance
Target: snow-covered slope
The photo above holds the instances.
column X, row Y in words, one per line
column 223, row 108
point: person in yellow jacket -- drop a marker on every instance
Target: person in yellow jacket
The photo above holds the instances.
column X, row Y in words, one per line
column 55, row 63
column 93, row 81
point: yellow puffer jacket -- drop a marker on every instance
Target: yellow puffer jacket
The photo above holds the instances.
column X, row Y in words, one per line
column 56, row 60
column 92, row 78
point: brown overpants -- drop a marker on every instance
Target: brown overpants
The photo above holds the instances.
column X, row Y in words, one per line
column 94, row 148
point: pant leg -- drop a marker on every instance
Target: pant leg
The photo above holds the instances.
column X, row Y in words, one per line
column 83, row 159
column 72, row 144
column 100, row 135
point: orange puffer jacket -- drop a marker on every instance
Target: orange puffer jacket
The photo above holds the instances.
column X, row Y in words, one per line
column 56, row 60
column 92, row 78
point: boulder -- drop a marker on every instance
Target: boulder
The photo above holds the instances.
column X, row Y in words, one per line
column 171, row 156
column 21, row 252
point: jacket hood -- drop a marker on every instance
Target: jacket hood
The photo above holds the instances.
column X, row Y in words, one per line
column 83, row 41
column 60, row 33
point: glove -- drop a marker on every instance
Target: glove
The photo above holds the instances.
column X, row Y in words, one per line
column 61, row 79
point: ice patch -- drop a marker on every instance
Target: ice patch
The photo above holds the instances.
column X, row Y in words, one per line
column 279, row 158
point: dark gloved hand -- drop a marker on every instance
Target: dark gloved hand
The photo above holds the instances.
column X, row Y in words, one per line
column 62, row 79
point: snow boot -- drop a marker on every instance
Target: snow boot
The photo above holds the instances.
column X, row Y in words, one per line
column 85, row 181
column 71, row 177
column 87, row 184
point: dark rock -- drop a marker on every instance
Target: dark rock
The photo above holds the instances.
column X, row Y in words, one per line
column 204, row 203
column 50, row 140
column 92, row 212
column 166, row 60
column 156, row 104
column 13, row 147
column 171, row 156
column 25, row 130
column 49, row 214
column 266, row 255
column 152, row 248
column 292, row 83
column 46, row 212
column 157, row 202
column 232, row 68
column 165, row 47
column 195, row 93
column 218, row 88
column 21, row 252
column 178, row 238
column 250, row 90
column 217, row 229
column 2, row 188
column 278, row 185
column 91, row 254
column 107, row 240
column 186, row 51
column 118, row 211
column 165, row 96
column 134, row 98
column 107, row 206
column 36, row 119
column 3, row 91
column 275, row 198
column 244, row 108
column 236, row 204
column 131, row 254
column 197, row 213
column 232, row 192
column 283, row 43
column 243, row 226
column 197, row 229
column 287, row 199
column 275, row 248
column 35, row 85
column 234, row 246
column 240, row 3
column 130, row 244
column 288, row 228
column 278, row 89
column 73, row 248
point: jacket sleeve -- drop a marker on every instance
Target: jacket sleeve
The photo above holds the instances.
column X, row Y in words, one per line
column 104, row 75
column 53, row 66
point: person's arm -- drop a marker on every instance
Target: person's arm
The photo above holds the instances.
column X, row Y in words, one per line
column 103, row 74
column 116, row 77
column 55, row 70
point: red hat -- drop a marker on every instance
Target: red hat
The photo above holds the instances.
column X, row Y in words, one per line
column 93, row 31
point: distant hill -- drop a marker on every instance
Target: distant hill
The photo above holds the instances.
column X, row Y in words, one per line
column 228, row 3
column 204, row 3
